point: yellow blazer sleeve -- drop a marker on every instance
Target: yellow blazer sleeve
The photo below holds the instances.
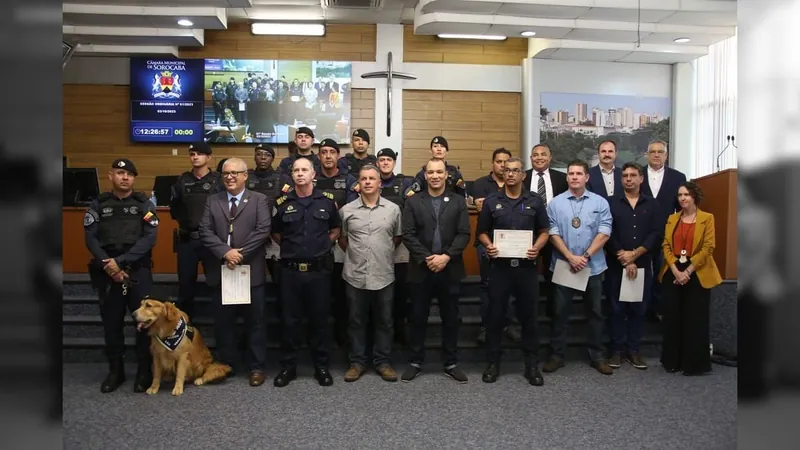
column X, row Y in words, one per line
column 700, row 258
column 666, row 245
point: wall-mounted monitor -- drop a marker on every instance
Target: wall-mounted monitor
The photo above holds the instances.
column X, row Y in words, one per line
column 81, row 186
column 266, row 101
column 166, row 100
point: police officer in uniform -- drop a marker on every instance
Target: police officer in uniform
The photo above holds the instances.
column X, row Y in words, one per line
column 353, row 162
column 337, row 182
column 455, row 181
column 186, row 206
column 304, row 140
column 394, row 188
column 268, row 181
column 514, row 208
column 306, row 225
column 120, row 230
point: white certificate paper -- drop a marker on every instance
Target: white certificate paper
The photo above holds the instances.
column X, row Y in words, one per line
column 632, row 290
column 512, row 243
column 241, row 106
column 236, row 285
column 564, row 276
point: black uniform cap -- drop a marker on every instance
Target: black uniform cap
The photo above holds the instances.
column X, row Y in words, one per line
column 125, row 163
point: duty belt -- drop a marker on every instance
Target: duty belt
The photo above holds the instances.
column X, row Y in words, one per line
column 303, row 266
column 515, row 262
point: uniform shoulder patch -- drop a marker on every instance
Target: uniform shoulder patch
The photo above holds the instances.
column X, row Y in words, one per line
column 89, row 218
column 280, row 200
column 286, row 188
column 460, row 183
column 357, row 187
column 410, row 192
column 151, row 218
column 328, row 194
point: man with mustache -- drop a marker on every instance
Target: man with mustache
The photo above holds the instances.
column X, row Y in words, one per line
column 120, row 229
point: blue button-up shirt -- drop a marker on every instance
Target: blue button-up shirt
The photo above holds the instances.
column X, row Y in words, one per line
column 595, row 215
column 635, row 227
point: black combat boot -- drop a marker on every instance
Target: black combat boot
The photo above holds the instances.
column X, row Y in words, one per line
column 144, row 376
column 116, row 376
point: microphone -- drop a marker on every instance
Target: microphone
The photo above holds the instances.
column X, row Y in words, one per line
column 729, row 139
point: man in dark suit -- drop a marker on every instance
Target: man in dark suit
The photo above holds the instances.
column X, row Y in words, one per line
column 234, row 228
column 435, row 231
column 662, row 183
column 548, row 183
column 605, row 179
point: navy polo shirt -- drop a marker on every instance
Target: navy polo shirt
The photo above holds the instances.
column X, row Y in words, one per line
column 634, row 227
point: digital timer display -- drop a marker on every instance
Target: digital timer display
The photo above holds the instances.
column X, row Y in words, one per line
column 166, row 98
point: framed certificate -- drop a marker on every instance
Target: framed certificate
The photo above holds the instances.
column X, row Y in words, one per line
column 513, row 243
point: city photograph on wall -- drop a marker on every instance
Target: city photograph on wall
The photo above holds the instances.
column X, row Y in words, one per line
column 574, row 124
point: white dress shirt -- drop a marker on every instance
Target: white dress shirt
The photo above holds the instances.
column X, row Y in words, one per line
column 548, row 184
column 655, row 178
column 608, row 180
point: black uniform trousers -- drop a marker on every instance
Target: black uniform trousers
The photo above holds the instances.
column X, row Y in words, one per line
column 189, row 252
column 274, row 268
column 401, row 306
column 113, row 304
column 686, row 314
column 305, row 293
column 446, row 291
column 339, row 306
column 523, row 283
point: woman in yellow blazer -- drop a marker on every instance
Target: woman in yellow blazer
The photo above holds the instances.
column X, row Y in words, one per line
column 687, row 276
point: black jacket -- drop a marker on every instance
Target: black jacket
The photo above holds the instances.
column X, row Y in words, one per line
column 419, row 223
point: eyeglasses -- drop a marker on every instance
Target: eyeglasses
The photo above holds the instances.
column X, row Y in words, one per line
column 233, row 173
column 515, row 171
column 660, row 152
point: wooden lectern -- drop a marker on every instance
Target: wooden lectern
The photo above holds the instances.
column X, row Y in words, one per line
column 720, row 192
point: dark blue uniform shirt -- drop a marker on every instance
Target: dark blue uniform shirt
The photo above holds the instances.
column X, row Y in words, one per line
column 634, row 227
column 304, row 224
column 528, row 212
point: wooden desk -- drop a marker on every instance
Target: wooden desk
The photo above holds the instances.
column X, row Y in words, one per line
column 76, row 256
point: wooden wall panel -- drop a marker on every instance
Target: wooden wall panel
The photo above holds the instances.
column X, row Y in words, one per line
column 340, row 43
column 97, row 131
column 427, row 48
column 474, row 124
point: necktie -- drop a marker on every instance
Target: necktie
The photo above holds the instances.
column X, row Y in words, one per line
column 230, row 222
column 540, row 189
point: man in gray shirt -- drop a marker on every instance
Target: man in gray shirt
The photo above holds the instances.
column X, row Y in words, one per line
column 371, row 229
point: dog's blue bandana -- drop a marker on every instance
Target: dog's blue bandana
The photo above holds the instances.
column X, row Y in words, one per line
column 182, row 330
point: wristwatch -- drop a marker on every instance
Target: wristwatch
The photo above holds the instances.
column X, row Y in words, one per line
column 587, row 255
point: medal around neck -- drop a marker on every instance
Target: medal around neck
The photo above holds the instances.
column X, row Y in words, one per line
column 683, row 259
column 576, row 222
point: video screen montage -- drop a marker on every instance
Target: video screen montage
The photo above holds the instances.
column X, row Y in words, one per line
column 266, row 101
column 166, row 98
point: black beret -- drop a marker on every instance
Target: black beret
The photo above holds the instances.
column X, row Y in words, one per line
column 200, row 147
column 305, row 130
column 267, row 148
column 124, row 163
column 441, row 141
column 329, row 143
column 387, row 152
column 362, row 134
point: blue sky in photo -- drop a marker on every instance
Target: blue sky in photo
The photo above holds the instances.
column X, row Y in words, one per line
column 555, row 101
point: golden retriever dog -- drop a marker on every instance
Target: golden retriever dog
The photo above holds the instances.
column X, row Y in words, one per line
column 178, row 350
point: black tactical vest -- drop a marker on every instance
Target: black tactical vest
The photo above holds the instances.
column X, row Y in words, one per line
column 452, row 178
column 194, row 193
column 393, row 192
column 354, row 164
column 336, row 186
column 121, row 221
column 265, row 182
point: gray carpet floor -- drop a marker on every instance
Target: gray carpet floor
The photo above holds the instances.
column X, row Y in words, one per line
column 577, row 408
